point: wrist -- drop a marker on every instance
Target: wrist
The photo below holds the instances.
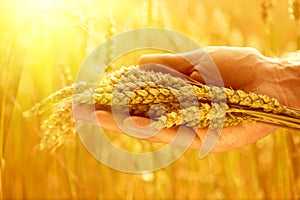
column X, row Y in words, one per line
column 288, row 81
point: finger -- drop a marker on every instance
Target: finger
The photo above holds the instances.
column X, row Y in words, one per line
column 166, row 136
column 106, row 120
column 183, row 137
column 83, row 112
column 184, row 63
column 238, row 136
column 196, row 76
column 174, row 61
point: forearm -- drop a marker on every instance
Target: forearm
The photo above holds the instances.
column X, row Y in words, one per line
column 288, row 80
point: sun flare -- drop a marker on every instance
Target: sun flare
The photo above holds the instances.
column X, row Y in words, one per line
column 43, row 44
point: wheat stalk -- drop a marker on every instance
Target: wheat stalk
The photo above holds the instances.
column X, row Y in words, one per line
column 168, row 98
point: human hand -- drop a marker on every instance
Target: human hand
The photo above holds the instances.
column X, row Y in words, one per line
column 240, row 68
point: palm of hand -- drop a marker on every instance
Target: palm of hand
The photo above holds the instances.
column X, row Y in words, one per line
column 240, row 68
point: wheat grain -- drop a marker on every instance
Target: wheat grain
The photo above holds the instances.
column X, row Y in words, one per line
column 168, row 100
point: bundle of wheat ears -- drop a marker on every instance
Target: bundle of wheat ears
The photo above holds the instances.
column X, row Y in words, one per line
column 164, row 95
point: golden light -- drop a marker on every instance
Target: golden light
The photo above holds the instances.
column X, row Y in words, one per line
column 42, row 46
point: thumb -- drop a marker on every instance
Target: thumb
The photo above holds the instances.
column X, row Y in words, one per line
column 174, row 61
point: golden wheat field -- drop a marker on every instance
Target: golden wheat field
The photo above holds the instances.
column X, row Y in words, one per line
column 43, row 44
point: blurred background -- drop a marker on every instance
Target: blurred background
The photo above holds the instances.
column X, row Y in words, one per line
column 42, row 46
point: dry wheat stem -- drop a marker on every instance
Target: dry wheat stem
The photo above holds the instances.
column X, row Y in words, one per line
column 169, row 99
